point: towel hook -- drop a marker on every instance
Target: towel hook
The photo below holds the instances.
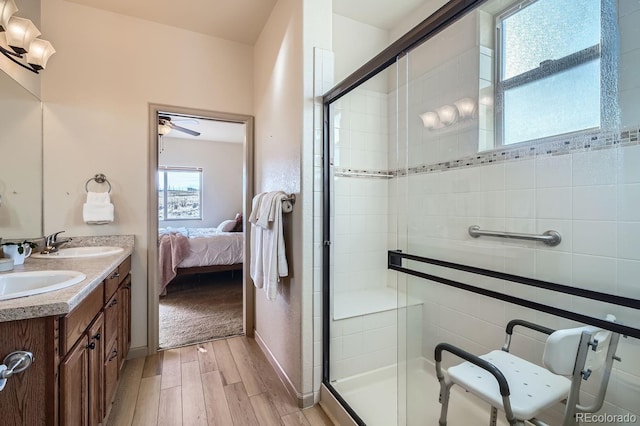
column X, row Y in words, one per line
column 99, row 178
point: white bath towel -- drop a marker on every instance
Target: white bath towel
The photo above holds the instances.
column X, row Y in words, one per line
column 268, row 257
column 98, row 209
column 255, row 207
column 267, row 211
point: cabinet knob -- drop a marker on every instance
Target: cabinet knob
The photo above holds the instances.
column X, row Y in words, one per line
column 97, row 336
column 113, row 354
column 115, row 302
column 91, row 345
column 115, row 275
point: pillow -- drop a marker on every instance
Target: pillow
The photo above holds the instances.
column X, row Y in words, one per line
column 238, row 227
column 226, row 225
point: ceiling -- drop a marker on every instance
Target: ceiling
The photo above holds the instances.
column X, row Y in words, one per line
column 236, row 20
column 210, row 130
column 384, row 14
column 243, row 20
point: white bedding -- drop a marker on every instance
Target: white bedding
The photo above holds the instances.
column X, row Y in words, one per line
column 208, row 246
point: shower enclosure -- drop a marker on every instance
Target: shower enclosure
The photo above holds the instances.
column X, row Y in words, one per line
column 484, row 167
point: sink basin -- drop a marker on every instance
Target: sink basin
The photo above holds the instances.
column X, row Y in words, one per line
column 75, row 252
column 19, row 284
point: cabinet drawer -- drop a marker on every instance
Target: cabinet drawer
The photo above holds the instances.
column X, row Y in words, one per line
column 74, row 324
column 114, row 279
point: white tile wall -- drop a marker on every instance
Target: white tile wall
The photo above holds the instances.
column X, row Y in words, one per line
column 591, row 198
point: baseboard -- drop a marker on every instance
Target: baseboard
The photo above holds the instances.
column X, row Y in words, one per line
column 139, row 352
column 303, row 400
column 334, row 410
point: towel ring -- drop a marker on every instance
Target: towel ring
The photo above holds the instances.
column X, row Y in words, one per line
column 100, row 178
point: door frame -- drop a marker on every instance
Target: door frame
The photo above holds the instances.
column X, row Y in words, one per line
column 248, row 291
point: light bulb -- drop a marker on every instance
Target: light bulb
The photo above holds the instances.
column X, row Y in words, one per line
column 430, row 120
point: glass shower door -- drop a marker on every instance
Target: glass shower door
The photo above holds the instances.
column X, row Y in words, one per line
column 363, row 309
column 461, row 170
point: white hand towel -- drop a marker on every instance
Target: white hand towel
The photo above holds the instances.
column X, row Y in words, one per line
column 98, row 198
column 98, row 209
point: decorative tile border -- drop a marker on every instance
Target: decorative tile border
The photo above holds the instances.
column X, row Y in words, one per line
column 591, row 141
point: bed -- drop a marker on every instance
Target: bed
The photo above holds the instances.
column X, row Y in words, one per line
column 198, row 250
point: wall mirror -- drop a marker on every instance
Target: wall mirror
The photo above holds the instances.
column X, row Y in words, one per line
column 20, row 161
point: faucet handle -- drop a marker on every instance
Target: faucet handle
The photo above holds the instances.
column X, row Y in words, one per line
column 53, row 238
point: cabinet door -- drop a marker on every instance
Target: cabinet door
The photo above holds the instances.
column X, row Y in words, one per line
column 95, row 333
column 74, row 385
column 111, row 320
column 110, row 375
column 124, row 334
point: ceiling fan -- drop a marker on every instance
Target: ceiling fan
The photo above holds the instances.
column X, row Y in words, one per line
column 165, row 125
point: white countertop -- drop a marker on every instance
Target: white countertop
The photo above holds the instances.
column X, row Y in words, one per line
column 61, row 302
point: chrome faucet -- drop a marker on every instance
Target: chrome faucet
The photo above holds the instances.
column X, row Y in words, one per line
column 52, row 244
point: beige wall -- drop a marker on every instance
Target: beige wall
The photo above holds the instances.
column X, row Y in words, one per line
column 221, row 164
column 278, row 111
column 284, row 156
column 96, row 92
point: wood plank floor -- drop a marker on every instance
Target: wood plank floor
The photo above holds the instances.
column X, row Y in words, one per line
column 225, row 383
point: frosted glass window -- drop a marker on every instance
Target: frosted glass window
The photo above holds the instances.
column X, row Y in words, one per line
column 548, row 70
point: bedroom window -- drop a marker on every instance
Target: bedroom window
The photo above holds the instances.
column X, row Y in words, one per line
column 548, row 69
column 179, row 193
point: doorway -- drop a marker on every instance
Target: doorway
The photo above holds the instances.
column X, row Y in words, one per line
column 197, row 237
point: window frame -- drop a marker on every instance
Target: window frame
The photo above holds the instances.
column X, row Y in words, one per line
column 162, row 171
column 545, row 69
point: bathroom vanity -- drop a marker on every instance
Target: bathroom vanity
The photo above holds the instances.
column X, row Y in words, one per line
column 79, row 337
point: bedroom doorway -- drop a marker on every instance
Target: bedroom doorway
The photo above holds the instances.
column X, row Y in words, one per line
column 199, row 178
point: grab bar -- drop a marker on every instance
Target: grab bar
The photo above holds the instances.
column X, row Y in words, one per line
column 550, row 238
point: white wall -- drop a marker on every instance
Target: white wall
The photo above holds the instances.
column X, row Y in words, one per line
column 355, row 43
column 96, row 91
column 360, row 222
column 221, row 164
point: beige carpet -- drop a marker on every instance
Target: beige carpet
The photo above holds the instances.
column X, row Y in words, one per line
column 199, row 308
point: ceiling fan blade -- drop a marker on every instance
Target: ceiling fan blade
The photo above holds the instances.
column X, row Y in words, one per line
column 185, row 130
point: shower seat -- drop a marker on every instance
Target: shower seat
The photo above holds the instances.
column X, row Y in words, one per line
column 522, row 389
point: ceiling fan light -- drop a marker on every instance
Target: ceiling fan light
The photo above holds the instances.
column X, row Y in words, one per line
column 39, row 53
column 163, row 129
column 7, row 9
column 20, row 33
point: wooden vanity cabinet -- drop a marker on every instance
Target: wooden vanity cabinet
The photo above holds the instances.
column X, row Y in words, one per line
column 77, row 358
column 89, row 371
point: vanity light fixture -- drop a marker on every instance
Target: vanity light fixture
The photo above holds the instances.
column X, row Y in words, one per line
column 21, row 44
column 447, row 115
